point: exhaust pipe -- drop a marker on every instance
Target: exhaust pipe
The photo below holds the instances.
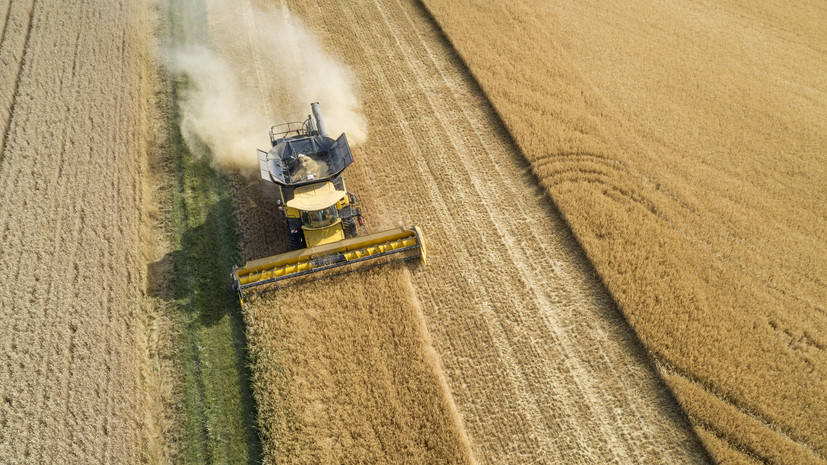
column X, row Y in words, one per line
column 317, row 113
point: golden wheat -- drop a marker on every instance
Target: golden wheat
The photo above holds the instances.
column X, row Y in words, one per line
column 685, row 146
column 343, row 375
column 74, row 361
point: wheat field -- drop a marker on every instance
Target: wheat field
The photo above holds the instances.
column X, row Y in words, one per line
column 623, row 207
column 685, row 145
column 76, row 380
column 505, row 349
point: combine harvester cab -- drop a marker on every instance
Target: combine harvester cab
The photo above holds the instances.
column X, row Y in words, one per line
column 322, row 219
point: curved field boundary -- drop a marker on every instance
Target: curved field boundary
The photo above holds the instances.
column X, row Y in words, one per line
column 694, row 183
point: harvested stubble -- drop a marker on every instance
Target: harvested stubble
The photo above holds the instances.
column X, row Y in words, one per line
column 685, row 145
column 538, row 361
column 74, row 362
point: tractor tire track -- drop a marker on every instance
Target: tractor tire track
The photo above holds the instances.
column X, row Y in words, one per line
column 13, row 46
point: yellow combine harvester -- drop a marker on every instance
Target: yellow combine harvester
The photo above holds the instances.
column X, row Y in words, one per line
column 322, row 218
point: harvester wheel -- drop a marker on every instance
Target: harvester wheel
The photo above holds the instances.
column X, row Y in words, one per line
column 295, row 235
column 350, row 227
column 296, row 240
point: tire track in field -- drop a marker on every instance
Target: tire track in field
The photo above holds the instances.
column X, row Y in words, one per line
column 6, row 14
column 12, row 57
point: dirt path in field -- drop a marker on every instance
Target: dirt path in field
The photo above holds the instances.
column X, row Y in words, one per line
column 539, row 365
column 73, row 341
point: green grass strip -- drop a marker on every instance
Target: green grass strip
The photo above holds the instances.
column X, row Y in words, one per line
column 219, row 410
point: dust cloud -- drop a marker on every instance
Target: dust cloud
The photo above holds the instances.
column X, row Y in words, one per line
column 267, row 69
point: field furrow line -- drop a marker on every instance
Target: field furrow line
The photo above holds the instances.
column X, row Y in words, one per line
column 71, row 232
column 89, row 418
column 14, row 21
column 5, row 13
column 12, row 57
column 125, row 128
column 83, row 418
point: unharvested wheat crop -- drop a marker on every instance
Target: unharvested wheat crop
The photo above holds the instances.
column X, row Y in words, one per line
column 685, row 145
column 73, row 342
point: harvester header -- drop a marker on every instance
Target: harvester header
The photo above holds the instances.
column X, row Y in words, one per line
column 321, row 216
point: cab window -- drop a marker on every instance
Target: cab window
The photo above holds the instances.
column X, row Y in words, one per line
column 320, row 218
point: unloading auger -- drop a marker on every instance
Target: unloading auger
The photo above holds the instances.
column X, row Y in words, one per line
column 322, row 217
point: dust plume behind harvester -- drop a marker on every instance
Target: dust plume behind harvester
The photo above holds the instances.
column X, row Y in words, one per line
column 323, row 220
